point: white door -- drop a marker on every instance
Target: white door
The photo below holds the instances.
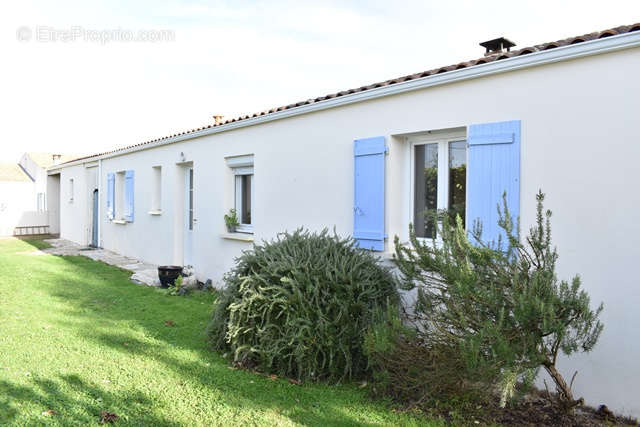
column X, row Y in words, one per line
column 189, row 219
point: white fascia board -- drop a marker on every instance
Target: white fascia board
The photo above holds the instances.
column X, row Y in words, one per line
column 563, row 53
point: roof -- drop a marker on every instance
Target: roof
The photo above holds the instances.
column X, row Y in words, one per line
column 45, row 160
column 13, row 172
column 465, row 64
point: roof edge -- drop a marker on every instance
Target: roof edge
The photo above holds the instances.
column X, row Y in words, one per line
column 562, row 53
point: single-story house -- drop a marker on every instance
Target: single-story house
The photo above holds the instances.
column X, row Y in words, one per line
column 23, row 194
column 561, row 117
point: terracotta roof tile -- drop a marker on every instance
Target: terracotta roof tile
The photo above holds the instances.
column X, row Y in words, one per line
column 465, row 64
column 13, row 172
column 44, row 160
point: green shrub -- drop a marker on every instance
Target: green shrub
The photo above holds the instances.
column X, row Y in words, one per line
column 501, row 303
column 407, row 366
column 299, row 306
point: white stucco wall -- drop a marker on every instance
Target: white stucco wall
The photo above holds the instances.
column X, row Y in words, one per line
column 17, row 206
column 73, row 212
column 579, row 145
column 53, row 203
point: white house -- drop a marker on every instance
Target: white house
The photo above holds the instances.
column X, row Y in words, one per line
column 16, row 197
column 561, row 117
column 23, row 194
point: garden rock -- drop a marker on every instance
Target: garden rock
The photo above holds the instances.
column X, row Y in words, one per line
column 189, row 282
column 188, row 271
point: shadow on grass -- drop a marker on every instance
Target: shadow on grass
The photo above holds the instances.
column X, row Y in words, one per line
column 83, row 403
column 105, row 308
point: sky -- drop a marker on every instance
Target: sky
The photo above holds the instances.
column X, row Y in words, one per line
column 83, row 77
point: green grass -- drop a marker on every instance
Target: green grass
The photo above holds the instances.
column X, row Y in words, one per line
column 77, row 337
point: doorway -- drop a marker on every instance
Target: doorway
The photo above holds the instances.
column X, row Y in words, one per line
column 94, row 228
column 189, row 218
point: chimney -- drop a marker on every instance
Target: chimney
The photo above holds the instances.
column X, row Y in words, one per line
column 218, row 119
column 56, row 158
column 499, row 45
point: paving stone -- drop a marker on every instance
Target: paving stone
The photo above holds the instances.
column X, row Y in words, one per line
column 144, row 273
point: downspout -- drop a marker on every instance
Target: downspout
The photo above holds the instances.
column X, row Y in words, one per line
column 99, row 203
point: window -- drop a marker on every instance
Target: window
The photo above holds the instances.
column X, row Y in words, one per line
column 118, row 203
column 156, row 195
column 439, row 179
column 71, row 190
column 243, row 182
column 243, row 199
column 41, row 202
column 190, row 196
column 120, row 200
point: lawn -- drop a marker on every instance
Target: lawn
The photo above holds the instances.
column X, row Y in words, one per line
column 78, row 338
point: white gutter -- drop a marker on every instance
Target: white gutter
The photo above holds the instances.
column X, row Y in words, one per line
column 562, row 53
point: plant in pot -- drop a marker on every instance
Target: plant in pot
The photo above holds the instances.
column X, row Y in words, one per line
column 231, row 221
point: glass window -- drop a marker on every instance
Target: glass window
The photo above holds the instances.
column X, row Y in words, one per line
column 440, row 183
column 191, row 199
column 244, row 198
column 156, row 196
column 457, row 179
column 244, row 190
column 42, row 206
column 245, row 216
column 426, row 189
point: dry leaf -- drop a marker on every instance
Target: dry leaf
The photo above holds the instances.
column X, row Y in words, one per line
column 107, row 417
column 294, row 381
column 273, row 377
column 169, row 323
column 49, row 412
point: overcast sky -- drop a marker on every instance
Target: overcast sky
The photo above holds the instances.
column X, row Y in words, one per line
column 87, row 94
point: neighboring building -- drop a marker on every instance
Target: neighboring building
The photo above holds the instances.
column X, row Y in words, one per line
column 17, row 197
column 23, row 195
column 561, row 117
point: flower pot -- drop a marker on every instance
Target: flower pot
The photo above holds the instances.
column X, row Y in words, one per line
column 231, row 228
column 168, row 274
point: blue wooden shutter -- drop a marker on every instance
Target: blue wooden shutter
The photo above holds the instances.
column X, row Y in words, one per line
column 111, row 185
column 368, row 208
column 494, row 167
column 128, row 194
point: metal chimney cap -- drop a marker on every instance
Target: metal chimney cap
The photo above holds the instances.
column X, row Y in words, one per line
column 497, row 45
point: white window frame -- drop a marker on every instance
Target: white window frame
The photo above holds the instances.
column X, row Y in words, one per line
column 41, row 202
column 156, row 195
column 242, row 166
column 442, row 139
column 71, row 190
column 238, row 197
column 118, row 196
